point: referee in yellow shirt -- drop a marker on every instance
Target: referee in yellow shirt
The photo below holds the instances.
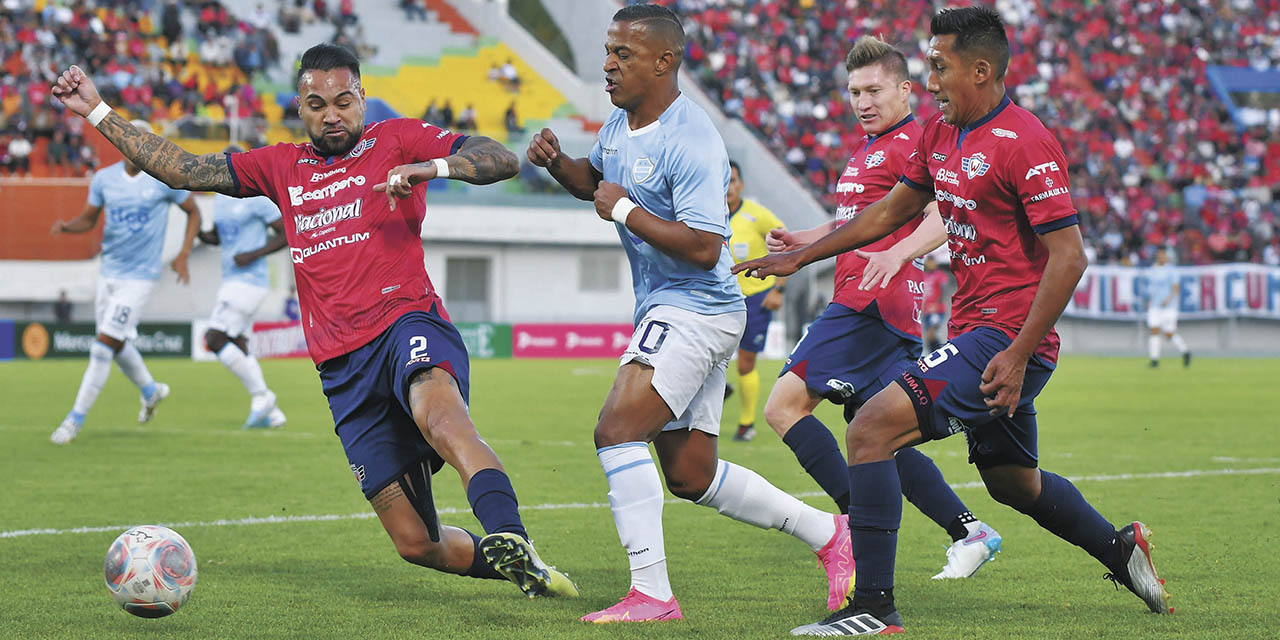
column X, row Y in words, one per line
column 749, row 224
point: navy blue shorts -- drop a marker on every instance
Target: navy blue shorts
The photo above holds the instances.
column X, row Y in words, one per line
column 847, row 356
column 944, row 386
column 758, row 319
column 368, row 391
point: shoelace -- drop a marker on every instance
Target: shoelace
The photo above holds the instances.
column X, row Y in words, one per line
column 1115, row 580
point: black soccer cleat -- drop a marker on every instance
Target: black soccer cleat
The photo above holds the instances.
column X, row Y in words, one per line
column 1186, row 359
column 853, row 620
column 1136, row 572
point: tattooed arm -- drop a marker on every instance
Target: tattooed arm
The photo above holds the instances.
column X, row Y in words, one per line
column 480, row 160
column 164, row 160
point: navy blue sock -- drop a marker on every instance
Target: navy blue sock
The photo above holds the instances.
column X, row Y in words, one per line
column 819, row 454
column 875, row 512
column 1064, row 512
column 924, row 486
column 493, row 501
column 479, row 568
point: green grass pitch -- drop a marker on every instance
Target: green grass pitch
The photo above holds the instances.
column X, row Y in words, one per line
column 1194, row 453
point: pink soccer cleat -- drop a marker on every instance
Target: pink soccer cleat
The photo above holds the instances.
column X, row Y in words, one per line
column 836, row 558
column 637, row 607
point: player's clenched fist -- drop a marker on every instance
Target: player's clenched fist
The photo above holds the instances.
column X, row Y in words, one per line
column 76, row 90
column 402, row 179
column 544, row 149
column 780, row 240
column 607, row 195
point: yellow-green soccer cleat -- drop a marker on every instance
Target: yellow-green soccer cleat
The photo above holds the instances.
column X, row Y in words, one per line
column 515, row 558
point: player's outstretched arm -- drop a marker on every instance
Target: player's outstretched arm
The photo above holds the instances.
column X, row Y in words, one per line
column 482, row 160
column 876, row 221
column 780, row 240
column 1002, row 379
column 164, row 160
column 86, row 221
column 576, row 175
column 883, row 265
column 274, row 244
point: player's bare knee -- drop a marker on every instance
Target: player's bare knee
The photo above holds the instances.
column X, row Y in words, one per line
column 782, row 413
column 689, row 484
column 417, row 548
column 867, row 437
column 112, row 343
column 215, row 340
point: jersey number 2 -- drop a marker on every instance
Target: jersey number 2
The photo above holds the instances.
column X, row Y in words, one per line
column 418, row 347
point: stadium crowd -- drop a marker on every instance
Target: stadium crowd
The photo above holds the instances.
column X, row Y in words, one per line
column 1156, row 160
column 144, row 60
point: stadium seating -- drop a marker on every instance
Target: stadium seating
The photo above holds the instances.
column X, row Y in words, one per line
column 1155, row 159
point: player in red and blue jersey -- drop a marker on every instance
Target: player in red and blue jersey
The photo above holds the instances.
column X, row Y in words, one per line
column 934, row 310
column 871, row 328
column 393, row 367
column 1000, row 180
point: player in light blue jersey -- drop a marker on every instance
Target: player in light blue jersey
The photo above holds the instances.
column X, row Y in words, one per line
column 660, row 173
column 1162, row 308
column 240, row 225
column 137, row 208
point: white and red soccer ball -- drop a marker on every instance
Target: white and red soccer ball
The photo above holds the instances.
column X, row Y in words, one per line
column 150, row 571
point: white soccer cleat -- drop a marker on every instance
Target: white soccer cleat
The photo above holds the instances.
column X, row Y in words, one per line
column 966, row 556
column 276, row 419
column 149, row 404
column 66, row 432
column 263, row 412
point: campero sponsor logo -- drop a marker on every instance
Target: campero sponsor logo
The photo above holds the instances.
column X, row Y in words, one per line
column 328, row 216
column 297, row 195
column 303, row 253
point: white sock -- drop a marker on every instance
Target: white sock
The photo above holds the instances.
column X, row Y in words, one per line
column 1153, row 347
column 743, row 495
column 635, row 496
column 130, row 362
column 95, row 376
column 245, row 367
column 1179, row 342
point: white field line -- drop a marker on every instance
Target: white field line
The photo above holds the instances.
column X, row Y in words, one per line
column 19, row 533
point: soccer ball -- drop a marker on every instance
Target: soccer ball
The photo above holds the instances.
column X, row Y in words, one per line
column 150, row 571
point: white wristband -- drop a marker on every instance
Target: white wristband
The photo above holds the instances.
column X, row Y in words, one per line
column 621, row 209
column 442, row 168
column 99, row 112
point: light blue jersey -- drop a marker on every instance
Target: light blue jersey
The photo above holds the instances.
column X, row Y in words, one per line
column 677, row 169
column 242, row 226
column 1160, row 283
column 137, row 213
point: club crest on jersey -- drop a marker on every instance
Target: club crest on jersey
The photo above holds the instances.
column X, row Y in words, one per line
column 641, row 170
column 876, row 159
column 360, row 148
column 975, row 165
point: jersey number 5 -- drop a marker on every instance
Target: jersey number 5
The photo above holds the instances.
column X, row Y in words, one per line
column 940, row 355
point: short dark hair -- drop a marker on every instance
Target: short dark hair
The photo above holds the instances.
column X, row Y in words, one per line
column 733, row 164
column 326, row 57
column 979, row 31
column 662, row 20
column 869, row 50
